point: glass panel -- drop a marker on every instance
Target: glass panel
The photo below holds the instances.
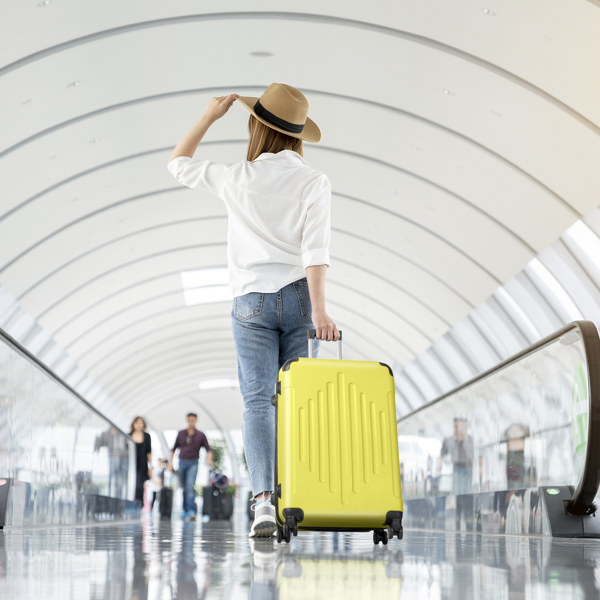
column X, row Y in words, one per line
column 520, row 427
column 52, row 440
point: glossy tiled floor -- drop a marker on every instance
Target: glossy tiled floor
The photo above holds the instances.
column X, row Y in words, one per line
column 159, row 560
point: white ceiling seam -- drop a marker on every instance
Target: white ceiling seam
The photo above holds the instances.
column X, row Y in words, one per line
column 106, row 244
column 162, row 348
column 123, row 265
column 162, row 275
column 197, row 350
column 225, row 336
column 136, row 198
column 362, row 157
column 177, row 249
column 170, row 327
column 258, row 89
column 314, row 18
column 178, row 292
column 72, row 346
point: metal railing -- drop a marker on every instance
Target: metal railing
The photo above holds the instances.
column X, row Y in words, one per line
column 10, row 341
column 569, row 360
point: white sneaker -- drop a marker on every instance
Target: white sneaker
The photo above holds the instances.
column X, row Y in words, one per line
column 264, row 520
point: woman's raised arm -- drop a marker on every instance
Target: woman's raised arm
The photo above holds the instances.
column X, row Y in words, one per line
column 217, row 107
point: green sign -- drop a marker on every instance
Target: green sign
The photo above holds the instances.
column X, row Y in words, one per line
column 579, row 409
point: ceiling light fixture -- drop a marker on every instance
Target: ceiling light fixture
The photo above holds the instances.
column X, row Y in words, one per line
column 44, row 2
column 203, row 286
column 487, row 11
column 74, row 84
column 95, row 141
column 449, row 93
column 417, row 148
column 261, row 54
column 213, row 384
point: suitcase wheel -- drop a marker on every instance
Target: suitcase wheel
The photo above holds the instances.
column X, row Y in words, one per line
column 287, row 534
column 380, row 535
column 279, row 536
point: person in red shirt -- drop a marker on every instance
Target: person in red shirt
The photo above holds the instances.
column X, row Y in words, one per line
column 189, row 441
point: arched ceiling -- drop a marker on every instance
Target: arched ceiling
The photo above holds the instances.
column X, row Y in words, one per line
column 461, row 140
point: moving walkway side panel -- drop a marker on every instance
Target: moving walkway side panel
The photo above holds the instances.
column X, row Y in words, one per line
column 61, row 461
column 508, row 444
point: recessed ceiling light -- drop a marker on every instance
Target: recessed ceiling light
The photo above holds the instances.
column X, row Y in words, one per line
column 95, row 141
column 449, row 92
column 261, row 53
column 212, row 384
column 203, row 277
column 204, row 286
column 417, row 149
column 207, row 295
column 487, row 11
column 44, row 2
column 74, row 83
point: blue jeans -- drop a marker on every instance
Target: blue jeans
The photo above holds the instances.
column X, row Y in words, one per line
column 188, row 469
column 268, row 329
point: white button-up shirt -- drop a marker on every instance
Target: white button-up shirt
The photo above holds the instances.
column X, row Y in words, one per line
column 279, row 216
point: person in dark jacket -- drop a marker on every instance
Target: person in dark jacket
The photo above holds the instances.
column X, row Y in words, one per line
column 189, row 441
column 143, row 447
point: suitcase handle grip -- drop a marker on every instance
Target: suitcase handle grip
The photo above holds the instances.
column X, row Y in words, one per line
column 312, row 334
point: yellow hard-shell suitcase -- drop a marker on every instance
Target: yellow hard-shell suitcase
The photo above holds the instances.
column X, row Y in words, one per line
column 336, row 447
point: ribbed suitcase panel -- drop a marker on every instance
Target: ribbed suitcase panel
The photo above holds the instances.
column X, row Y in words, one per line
column 337, row 438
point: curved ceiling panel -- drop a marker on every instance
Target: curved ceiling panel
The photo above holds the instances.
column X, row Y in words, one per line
column 454, row 156
column 566, row 33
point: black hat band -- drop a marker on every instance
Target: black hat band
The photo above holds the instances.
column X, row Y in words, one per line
column 269, row 117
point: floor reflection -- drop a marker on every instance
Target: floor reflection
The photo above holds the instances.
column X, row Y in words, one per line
column 162, row 560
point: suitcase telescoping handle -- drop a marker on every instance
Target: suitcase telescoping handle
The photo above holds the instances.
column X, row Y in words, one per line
column 312, row 334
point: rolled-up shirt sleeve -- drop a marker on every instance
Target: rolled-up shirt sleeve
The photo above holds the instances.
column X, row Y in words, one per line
column 316, row 231
column 202, row 175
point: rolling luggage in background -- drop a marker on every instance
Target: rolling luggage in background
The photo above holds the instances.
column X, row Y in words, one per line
column 165, row 502
column 336, row 447
column 216, row 502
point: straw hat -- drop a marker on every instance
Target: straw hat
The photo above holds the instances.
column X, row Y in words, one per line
column 285, row 109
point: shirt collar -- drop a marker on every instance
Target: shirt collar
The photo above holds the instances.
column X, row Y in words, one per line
column 283, row 156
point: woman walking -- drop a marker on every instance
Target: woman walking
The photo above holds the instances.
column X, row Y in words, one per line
column 278, row 254
column 143, row 448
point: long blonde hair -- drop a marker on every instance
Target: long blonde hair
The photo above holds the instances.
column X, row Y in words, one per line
column 265, row 139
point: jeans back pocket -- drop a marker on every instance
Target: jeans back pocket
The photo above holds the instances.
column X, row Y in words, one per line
column 301, row 289
column 247, row 306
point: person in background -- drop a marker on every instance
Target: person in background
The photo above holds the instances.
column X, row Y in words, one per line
column 459, row 447
column 516, row 469
column 118, row 456
column 189, row 441
column 143, row 447
column 159, row 478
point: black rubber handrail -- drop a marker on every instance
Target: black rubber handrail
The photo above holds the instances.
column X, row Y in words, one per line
column 10, row 341
column 582, row 501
